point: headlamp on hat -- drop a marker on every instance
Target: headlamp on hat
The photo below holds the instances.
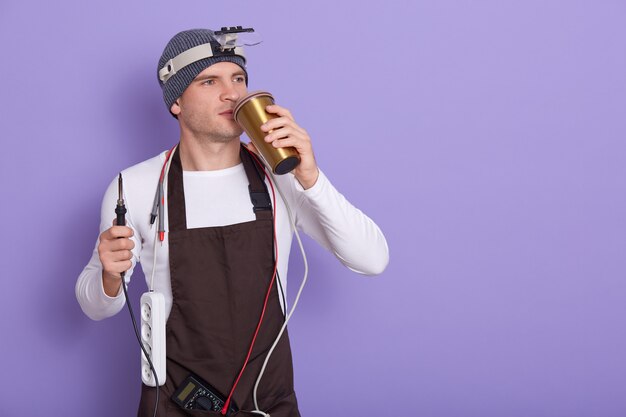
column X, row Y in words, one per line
column 228, row 42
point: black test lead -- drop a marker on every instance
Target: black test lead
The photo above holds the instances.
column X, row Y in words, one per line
column 155, row 205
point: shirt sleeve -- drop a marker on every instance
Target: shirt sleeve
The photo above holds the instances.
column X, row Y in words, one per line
column 95, row 303
column 330, row 219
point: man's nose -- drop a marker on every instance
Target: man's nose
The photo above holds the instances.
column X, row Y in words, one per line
column 229, row 92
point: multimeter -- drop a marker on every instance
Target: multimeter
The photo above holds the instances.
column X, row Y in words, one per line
column 195, row 394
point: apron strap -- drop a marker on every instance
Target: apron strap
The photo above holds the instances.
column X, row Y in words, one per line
column 258, row 189
column 176, row 194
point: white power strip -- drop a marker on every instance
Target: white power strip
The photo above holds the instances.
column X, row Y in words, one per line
column 153, row 337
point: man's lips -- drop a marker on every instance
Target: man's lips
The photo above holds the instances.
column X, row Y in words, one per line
column 228, row 113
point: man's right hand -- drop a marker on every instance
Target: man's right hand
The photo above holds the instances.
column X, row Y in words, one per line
column 115, row 255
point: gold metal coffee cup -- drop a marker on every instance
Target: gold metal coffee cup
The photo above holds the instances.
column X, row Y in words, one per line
column 250, row 114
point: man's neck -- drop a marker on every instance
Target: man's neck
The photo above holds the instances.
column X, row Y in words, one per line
column 208, row 156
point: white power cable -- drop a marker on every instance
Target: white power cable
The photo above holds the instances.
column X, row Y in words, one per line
column 295, row 302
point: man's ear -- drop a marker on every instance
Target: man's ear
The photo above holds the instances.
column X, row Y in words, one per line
column 175, row 109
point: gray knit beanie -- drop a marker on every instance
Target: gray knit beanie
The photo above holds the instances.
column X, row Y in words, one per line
column 176, row 84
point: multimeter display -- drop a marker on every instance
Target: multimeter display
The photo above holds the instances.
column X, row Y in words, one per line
column 186, row 391
column 195, row 394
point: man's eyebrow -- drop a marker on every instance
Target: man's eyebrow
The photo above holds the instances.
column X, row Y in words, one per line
column 205, row 77
column 213, row 76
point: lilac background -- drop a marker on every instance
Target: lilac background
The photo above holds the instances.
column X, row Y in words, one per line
column 486, row 138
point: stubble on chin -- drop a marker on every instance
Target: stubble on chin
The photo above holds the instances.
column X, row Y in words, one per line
column 223, row 135
column 211, row 132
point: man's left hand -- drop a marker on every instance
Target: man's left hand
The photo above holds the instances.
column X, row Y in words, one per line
column 286, row 132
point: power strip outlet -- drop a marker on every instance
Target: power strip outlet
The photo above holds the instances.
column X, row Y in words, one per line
column 153, row 337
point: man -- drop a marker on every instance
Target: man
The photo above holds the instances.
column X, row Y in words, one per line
column 217, row 258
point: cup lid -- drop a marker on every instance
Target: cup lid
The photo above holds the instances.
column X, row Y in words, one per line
column 243, row 100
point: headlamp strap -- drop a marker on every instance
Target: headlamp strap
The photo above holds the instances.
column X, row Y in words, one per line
column 190, row 56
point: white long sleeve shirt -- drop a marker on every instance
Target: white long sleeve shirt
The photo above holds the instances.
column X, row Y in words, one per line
column 220, row 198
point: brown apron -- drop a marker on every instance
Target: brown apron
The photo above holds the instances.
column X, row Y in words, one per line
column 220, row 276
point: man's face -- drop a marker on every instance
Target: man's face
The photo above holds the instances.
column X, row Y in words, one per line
column 205, row 109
